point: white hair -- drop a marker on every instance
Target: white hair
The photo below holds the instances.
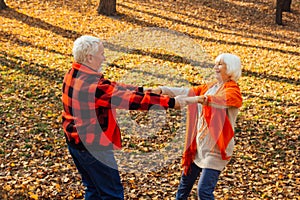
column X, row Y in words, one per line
column 233, row 64
column 83, row 46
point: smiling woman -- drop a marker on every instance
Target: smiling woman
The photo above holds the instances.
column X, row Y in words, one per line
column 210, row 127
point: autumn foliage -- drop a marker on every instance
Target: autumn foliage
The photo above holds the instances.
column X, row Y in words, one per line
column 36, row 38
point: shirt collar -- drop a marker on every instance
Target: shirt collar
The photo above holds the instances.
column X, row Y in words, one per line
column 86, row 69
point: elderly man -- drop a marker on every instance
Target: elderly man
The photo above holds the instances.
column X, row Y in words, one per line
column 89, row 117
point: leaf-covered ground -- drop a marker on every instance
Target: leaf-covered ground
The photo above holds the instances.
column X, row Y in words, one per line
column 36, row 38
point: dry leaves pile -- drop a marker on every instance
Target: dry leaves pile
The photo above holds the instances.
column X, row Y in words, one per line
column 36, row 39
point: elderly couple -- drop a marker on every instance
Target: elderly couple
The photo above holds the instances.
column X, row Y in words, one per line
column 89, row 106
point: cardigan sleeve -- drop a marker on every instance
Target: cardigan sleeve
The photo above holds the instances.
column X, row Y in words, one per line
column 174, row 91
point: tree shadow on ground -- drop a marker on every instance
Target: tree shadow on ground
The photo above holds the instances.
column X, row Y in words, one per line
column 38, row 23
column 258, row 36
column 13, row 38
column 27, row 67
column 254, row 13
column 71, row 34
column 276, row 78
column 139, row 22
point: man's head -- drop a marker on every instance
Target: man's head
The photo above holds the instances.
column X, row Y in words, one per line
column 89, row 51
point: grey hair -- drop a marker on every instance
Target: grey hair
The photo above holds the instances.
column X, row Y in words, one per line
column 83, row 46
column 233, row 64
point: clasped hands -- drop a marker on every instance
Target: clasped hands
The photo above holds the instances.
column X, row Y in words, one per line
column 181, row 100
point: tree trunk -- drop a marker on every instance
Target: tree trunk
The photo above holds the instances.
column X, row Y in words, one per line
column 282, row 6
column 2, row 5
column 107, row 7
column 287, row 6
column 279, row 10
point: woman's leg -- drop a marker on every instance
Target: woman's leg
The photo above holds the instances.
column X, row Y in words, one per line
column 207, row 183
column 187, row 182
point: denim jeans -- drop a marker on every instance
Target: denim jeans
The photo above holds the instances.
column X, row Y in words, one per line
column 102, row 181
column 206, row 185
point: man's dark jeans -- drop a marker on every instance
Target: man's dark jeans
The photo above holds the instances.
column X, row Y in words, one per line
column 99, row 174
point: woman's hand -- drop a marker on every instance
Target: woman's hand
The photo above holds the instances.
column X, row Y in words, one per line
column 183, row 100
column 202, row 99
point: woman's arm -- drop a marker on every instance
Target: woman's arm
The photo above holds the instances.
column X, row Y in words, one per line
column 170, row 91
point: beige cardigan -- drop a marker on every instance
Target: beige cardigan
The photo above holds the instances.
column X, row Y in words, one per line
column 208, row 154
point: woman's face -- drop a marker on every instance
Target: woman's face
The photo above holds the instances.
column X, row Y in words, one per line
column 220, row 71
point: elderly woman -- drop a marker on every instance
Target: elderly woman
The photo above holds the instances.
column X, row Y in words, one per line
column 210, row 127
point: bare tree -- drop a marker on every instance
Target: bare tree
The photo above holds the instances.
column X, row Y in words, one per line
column 282, row 6
column 107, row 7
column 2, row 5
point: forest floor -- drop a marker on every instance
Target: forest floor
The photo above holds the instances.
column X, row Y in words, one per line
column 150, row 43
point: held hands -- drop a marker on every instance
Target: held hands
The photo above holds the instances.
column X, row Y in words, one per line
column 183, row 100
column 180, row 100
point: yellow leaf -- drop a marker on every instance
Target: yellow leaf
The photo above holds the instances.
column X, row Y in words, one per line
column 7, row 187
column 33, row 196
column 57, row 186
column 47, row 153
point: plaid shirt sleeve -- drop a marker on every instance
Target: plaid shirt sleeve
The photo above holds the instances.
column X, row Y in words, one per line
column 122, row 86
column 114, row 95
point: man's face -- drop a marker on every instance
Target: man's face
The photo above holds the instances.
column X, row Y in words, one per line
column 98, row 58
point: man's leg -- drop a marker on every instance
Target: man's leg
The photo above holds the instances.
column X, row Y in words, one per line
column 101, row 181
column 106, row 177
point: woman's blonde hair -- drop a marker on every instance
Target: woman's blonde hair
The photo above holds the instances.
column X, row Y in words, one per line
column 233, row 64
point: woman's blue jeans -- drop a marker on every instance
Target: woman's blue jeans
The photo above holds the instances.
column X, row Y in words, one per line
column 102, row 181
column 206, row 185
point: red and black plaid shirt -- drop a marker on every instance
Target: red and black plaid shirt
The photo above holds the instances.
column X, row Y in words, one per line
column 89, row 103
